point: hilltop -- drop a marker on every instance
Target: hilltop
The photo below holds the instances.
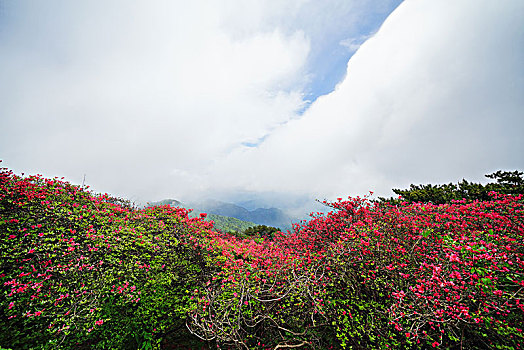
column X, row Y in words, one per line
column 224, row 213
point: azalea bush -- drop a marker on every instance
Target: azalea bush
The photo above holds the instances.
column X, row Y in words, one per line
column 264, row 296
column 84, row 270
column 370, row 275
column 423, row 275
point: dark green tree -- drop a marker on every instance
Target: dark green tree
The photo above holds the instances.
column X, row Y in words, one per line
column 507, row 182
column 263, row 231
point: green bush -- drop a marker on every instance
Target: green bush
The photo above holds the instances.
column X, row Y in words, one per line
column 80, row 270
column 86, row 271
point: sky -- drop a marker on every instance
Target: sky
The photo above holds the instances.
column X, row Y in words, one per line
column 288, row 100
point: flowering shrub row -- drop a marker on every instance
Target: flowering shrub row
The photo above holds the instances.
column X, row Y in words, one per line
column 370, row 275
column 80, row 270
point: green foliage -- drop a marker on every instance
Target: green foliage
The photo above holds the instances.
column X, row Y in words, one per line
column 507, row 183
column 85, row 271
column 229, row 224
column 79, row 270
column 263, row 231
column 220, row 222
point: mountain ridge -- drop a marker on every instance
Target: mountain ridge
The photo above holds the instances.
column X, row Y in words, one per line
column 260, row 216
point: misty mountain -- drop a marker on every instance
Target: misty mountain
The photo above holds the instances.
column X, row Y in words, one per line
column 261, row 216
column 171, row 202
column 229, row 224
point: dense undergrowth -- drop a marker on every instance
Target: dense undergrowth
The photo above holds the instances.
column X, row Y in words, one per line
column 82, row 270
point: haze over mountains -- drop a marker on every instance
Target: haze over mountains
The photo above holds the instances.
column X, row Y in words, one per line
column 261, row 216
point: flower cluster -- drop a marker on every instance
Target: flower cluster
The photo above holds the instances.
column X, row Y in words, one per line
column 83, row 270
column 411, row 275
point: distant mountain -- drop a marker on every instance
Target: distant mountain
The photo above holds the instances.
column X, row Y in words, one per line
column 271, row 217
column 261, row 216
column 229, row 224
column 171, row 202
column 221, row 222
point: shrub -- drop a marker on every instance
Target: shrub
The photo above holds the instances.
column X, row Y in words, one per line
column 78, row 270
column 423, row 275
column 373, row 276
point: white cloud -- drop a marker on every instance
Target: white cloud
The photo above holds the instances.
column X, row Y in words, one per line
column 136, row 95
column 433, row 97
column 353, row 44
column 153, row 101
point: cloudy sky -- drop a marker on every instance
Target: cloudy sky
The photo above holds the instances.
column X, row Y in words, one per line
column 186, row 99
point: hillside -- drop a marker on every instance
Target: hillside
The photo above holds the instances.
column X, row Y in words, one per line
column 261, row 216
column 222, row 210
column 228, row 224
column 80, row 270
column 220, row 222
